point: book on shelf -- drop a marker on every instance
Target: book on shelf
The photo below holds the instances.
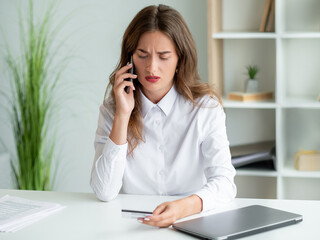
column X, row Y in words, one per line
column 271, row 18
column 265, row 15
column 254, row 155
column 268, row 17
column 243, row 96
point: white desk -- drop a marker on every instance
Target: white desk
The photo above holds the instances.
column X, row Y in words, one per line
column 85, row 217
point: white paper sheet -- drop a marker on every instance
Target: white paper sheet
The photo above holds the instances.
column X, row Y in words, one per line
column 16, row 213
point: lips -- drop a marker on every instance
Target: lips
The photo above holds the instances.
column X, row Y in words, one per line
column 152, row 79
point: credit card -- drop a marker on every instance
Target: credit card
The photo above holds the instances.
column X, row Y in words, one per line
column 135, row 214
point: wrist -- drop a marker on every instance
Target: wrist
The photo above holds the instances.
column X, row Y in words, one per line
column 190, row 205
column 119, row 129
column 121, row 117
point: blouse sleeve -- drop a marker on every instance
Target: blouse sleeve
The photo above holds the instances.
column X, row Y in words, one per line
column 109, row 161
column 218, row 169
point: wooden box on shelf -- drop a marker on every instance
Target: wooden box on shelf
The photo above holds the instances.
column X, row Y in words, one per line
column 307, row 161
column 243, row 96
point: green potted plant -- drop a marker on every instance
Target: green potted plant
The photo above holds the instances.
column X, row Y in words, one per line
column 252, row 84
column 33, row 80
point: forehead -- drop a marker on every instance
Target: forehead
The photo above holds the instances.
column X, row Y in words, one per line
column 156, row 40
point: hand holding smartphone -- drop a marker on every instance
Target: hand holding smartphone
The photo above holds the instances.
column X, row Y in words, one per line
column 127, row 89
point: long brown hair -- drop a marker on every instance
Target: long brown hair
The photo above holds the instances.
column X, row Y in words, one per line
column 187, row 81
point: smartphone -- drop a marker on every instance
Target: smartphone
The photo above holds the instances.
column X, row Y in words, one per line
column 126, row 89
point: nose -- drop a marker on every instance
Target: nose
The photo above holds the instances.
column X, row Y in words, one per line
column 152, row 65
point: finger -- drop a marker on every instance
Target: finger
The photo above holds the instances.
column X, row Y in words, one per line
column 120, row 88
column 124, row 76
column 160, row 209
column 166, row 218
column 124, row 69
column 158, row 218
column 163, row 221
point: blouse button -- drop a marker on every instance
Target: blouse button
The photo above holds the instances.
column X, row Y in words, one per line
column 162, row 173
column 161, row 148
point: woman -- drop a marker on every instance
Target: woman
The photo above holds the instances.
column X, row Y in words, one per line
column 166, row 135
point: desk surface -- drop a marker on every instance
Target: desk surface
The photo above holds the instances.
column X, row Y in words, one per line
column 85, row 217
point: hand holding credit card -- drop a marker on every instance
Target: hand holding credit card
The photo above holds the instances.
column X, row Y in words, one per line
column 135, row 214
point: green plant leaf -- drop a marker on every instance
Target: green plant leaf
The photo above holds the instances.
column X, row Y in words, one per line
column 33, row 91
column 252, row 71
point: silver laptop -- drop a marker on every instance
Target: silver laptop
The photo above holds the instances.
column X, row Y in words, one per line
column 238, row 223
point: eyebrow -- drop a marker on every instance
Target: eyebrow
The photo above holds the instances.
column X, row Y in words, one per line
column 162, row 52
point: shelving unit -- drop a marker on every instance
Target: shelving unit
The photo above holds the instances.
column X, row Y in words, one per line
column 289, row 62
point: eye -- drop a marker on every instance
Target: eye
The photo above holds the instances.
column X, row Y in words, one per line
column 164, row 58
column 142, row 56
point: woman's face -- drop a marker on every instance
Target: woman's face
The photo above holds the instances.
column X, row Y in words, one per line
column 155, row 60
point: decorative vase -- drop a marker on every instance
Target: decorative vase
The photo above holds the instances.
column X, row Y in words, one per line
column 252, row 86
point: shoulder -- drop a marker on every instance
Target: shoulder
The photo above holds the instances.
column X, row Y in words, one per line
column 210, row 109
column 211, row 117
column 203, row 105
column 208, row 105
column 208, row 101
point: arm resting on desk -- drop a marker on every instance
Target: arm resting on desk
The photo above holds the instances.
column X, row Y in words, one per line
column 110, row 158
column 218, row 169
column 107, row 171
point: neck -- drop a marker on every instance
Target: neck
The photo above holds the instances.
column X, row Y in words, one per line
column 155, row 97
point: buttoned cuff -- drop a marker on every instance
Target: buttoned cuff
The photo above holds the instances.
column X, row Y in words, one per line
column 209, row 201
column 205, row 196
column 111, row 150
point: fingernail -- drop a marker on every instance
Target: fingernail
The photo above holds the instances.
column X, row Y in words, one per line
column 134, row 88
column 140, row 221
column 135, row 75
column 147, row 219
column 128, row 63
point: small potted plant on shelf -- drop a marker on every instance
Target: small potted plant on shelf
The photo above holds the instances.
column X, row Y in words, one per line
column 252, row 85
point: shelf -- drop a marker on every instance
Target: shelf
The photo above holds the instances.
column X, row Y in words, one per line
column 300, row 35
column 302, row 102
column 289, row 67
column 255, row 105
column 243, row 35
column 290, row 171
column 264, row 35
column 253, row 172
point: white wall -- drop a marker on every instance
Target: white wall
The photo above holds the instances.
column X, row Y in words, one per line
column 92, row 37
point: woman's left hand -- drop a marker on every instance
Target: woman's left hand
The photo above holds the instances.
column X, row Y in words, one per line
column 168, row 212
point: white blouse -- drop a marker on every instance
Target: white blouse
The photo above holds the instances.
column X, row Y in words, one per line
column 186, row 151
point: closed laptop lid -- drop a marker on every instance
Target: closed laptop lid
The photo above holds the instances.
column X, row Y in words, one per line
column 238, row 222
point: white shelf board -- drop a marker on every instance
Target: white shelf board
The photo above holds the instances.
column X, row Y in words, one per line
column 258, row 173
column 264, row 35
column 301, row 102
column 290, row 171
column 300, row 35
column 256, row 105
column 244, row 35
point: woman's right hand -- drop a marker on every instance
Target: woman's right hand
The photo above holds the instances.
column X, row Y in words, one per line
column 124, row 101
